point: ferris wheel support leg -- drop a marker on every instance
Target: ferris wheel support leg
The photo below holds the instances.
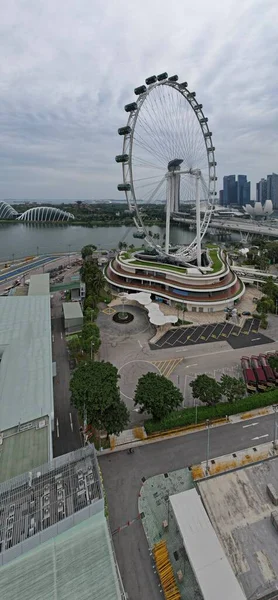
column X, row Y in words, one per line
column 198, row 222
column 168, row 215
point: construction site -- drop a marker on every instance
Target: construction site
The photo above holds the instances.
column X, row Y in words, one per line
column 231, row 516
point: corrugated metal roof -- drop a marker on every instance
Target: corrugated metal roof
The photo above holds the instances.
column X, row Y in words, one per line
column 39, row 285
column 72, row 310
column 78, row 563
column 26, row 386
column 212, row 569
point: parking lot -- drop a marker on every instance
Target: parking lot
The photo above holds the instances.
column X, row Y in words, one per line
column 237, row 337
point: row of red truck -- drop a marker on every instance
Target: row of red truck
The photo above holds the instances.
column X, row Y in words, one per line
column 257, row 373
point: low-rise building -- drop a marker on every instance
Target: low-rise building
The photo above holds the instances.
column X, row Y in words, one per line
column 73, row 317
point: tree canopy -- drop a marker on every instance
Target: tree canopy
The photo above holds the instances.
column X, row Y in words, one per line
column 88, row 250
column 157, row 395
column 273, row 362
column 94, row 389
column 234, row 389
column 206, row 389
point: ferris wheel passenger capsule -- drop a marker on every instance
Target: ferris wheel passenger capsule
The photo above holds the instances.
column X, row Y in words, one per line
column 173, row 78
column 208, row 134
column 162, row 76
column 124, row 187
column 130, row 107
column 140, row 90
column 198, row 107
column 151, row 79
column 204, row 120
column 183, row 85
column 121, row 158
column 124, row 130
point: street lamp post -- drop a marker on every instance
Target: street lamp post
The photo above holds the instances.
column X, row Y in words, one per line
column 196, row 411
column 275, row 408
column 69, row 254
column 208, row 440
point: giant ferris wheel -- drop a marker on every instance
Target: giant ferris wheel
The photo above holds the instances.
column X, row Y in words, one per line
column 168, row 156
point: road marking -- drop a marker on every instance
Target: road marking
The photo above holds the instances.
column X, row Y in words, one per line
column 139, row 343
column 255, row 339
column 61, row 336
column 57, row 428
column 250, row 425
column 71, row 423
column 182, row 350
column 166, row 367
column 261, row 436
column 188, row 366
column 53, row 338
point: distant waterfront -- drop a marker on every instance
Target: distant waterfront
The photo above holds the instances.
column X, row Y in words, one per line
column 31, row 239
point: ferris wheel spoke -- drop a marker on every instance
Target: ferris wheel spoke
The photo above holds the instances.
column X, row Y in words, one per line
column 152, row 129
column 153, row 145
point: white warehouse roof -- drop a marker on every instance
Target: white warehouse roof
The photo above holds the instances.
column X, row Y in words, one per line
column 26, row 385
column 211, row 567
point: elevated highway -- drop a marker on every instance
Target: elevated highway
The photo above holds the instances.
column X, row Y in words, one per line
column 253, row 275
column 239, row 225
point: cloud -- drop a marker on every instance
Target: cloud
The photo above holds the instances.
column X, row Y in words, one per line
column 69, row 67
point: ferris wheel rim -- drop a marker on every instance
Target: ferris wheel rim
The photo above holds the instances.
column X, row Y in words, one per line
column 127, row 167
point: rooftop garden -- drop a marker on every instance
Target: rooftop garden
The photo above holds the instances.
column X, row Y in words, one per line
column 217, row 262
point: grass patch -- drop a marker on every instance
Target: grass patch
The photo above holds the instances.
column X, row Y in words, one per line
column 217, row 263
column 181, row 418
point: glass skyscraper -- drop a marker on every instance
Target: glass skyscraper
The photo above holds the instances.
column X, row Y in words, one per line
column 236, row 193
column 272, row 189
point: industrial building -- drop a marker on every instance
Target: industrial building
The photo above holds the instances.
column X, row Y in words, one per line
column 55, row 542
column 26, row 380
column 73, row 317
column 242, row 508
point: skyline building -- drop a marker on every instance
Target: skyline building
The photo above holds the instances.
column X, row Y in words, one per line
column 235, row 192
column 261, row 191
column 243, row 190
column 272, row 189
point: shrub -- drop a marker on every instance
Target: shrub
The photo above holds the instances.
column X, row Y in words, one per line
column 187, row 416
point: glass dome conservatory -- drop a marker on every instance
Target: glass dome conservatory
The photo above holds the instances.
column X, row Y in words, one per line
column 45, row 213
column 7, row 211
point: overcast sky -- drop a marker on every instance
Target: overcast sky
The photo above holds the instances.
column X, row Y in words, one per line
column 69, row 66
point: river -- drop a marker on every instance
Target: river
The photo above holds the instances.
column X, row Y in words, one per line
column 18, row 240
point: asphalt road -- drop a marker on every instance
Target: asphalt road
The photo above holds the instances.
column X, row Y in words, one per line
column 15, row 271
column 123, row 475
column 66, row 435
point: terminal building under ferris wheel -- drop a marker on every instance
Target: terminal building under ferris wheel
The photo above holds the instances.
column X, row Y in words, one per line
column 167, row 153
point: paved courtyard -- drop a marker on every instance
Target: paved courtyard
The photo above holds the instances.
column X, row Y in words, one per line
column 128, row 348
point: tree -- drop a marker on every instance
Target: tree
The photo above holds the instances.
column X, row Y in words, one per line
column 94, row 390
column 265, row 305
column 270, row 289
column 90, row 314
column 232, row 388
column 157, row 395
column 74, row 346
column 206, row 389
column 90, row 337
column 273, row 362
column 88, row 250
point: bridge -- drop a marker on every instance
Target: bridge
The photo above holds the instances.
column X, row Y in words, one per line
column 241, row 226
